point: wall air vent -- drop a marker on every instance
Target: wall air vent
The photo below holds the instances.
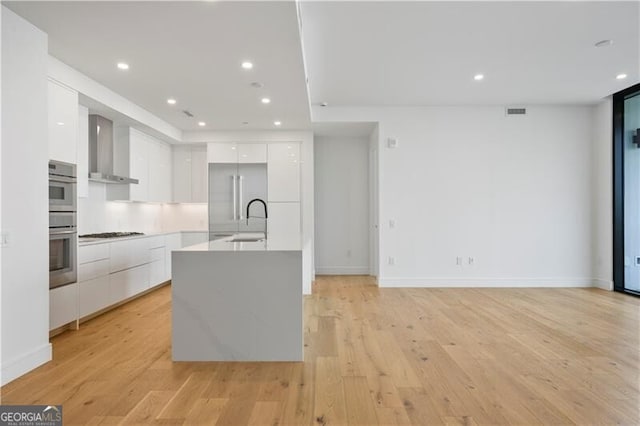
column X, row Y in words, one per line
column 516, row 111
column 187, row 113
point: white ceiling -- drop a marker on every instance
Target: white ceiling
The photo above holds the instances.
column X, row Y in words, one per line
column 426, row 53
column 191, row 51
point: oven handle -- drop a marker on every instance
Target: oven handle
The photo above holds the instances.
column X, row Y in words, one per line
column 62, row 232
column 63, row 179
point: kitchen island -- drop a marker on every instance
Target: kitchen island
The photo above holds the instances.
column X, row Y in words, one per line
column 237, row 301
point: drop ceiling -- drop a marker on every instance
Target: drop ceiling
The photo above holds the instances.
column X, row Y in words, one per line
column 190, row 51
column 427, row 53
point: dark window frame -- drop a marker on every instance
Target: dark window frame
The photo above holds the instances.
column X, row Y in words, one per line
column 618, row 188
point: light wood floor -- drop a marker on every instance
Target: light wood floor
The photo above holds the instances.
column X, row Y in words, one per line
column 390, row 356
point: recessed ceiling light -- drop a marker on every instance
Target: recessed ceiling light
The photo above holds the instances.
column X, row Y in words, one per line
column 277, row 123
column 245, row 122
column 256, row 84
column 247, row 65
column 604, row 43
column 478, row 77
column 201, row 123
column 324, row 104
column 621, row 76
column 60, row 123
column 171, row 101
column 266, row 101
column 123, row 66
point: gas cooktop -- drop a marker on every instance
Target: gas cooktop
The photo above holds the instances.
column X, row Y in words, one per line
column 111, row 235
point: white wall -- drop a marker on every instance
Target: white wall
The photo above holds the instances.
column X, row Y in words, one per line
column 602, row 194
column 96, row 214
column 306, row 139
column 341, row 205
column 513, row 193
column 25, row 274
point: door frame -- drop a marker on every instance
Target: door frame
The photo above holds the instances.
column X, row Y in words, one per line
column 618, row 189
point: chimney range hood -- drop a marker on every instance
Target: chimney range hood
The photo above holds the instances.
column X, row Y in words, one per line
column 101, row 152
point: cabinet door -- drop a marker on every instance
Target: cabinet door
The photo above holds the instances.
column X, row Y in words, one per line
column 159, row 160
column 171, row 242
column 139, row 167
column 63, row 123
column 128, row 283
column 128, row 253
column 93, row 295
column 63, row 305
column 222, row 153
column 199, row 174
column 83, row 152
column 157, row 272
column 252, row 153
column 284, row 220
column 182, row 164
column 283, row 172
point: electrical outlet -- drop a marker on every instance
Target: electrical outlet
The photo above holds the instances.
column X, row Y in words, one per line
column 348, row 253
column 392, row 261
column 392, row 224
column 4, row 239
column 471, row 261
column 459, row 261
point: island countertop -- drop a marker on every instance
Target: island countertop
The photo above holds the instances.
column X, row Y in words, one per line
column 268, row 244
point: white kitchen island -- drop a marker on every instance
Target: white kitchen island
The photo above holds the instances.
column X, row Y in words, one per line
column 238, row 301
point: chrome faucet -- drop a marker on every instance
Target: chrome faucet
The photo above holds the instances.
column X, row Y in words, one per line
column 266, row 216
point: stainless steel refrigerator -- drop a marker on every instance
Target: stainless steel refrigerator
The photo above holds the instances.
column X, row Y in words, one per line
column 231, row 187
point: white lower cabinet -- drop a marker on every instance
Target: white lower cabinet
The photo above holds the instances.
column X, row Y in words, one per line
column 63, row 305
column 171, row 242
column 93, row 295
column 128, row 283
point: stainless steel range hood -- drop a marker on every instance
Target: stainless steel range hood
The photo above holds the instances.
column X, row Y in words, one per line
column 101, row 152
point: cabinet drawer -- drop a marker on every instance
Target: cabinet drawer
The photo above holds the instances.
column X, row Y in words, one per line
column 156, row 273
column 127, row 283
column 92, row 253
column 155, row 242
column 129, row 253
column 156, row 254
column 63, row 305
column 93, row 295
column 89, row 271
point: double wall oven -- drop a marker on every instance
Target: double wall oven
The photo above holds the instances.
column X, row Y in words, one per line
column 63, row 233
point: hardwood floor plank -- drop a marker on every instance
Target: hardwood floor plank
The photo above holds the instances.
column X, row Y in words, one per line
column 485, row 356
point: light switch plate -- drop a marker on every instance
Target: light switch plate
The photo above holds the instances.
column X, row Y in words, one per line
column 392, row 143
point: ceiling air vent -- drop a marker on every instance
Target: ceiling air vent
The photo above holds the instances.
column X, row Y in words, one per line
column 516, row 111
column 187, row 113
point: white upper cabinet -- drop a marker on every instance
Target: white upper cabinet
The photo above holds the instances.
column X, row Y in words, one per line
column 63, row 123
column 199, row 174
column 190, row 174
column 145, row 158
column 283, row 172
column 222, row 153
column 236, row 152
column 252, row 153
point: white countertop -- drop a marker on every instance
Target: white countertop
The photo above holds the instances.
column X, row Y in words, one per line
column 269, row 244
column 91, row 241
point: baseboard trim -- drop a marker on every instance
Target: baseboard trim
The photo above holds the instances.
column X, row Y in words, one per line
column 603, row 284
column 343, row 270
column 485, row 282
column 20, row 366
